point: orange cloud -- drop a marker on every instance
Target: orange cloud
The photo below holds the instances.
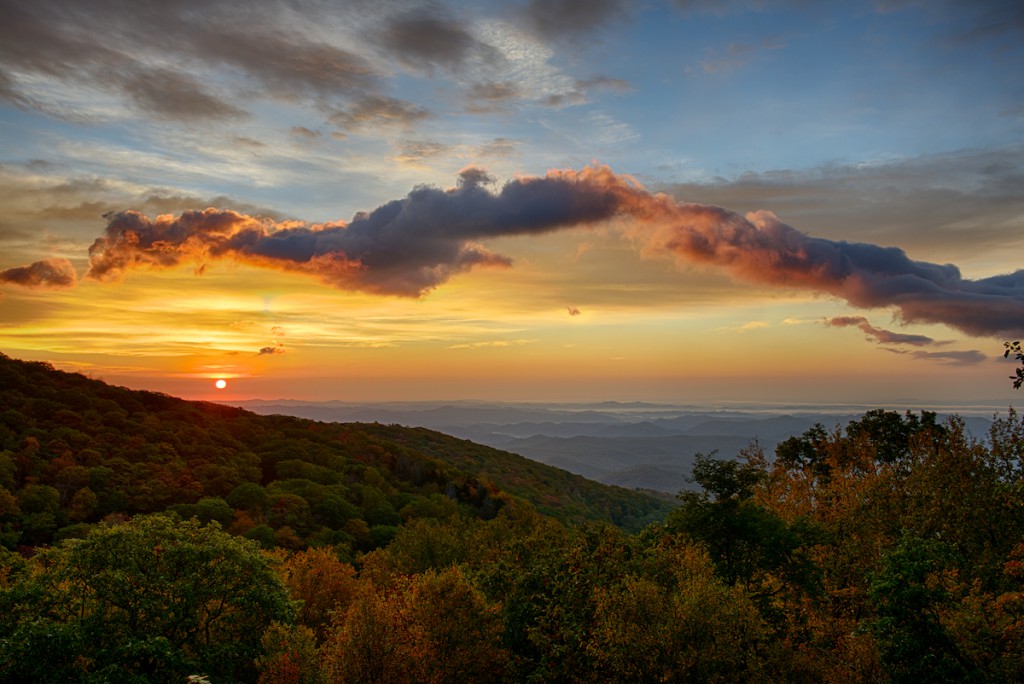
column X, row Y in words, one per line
column 54, row 273
column 411, row 245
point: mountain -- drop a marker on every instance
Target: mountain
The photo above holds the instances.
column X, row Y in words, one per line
column 645, row 445
column 74, row 451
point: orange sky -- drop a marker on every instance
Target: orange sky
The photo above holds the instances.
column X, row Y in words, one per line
column 646, row 329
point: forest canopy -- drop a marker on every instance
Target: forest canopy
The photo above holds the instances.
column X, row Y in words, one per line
column 890, row 549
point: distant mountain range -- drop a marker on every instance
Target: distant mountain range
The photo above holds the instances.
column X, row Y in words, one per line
column 634, row 445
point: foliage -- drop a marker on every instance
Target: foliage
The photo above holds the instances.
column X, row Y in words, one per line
column 75, row 451
column 908, row 594
column 154, row 599
column 1014, row 348
column 749, row 544
column 887, row 550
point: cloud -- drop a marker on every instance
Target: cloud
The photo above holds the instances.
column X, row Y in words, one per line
column 305, row 132
column 573, row 311
column 556, row 19
column 174, row 95
column 499, row 147
column 269, row 351
column 484, row 98
column 50, row 43
column 376, row 111
column 888, row 337
column 410, row 246
column 51, row 273
column 957, row 358
column 966, row 203
column 428, row 41
column 877, row 334
column 416, row 151
column 287, row 64
column 490, row 343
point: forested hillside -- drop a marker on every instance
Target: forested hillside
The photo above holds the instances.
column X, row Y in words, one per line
column 888, row 550
column 74, row 451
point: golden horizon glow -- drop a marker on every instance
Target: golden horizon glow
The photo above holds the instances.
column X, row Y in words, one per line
column 284, row 338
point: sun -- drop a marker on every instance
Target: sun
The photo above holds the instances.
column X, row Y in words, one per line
column 221, row 384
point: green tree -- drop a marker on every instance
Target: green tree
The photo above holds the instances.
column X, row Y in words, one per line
column 155, row 599
column 908, row 595
column 746, row 541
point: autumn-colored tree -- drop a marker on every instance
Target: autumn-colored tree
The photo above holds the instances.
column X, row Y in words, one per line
column 432, row 628
column 677, row 622
column 323, row 584
column 289, row 656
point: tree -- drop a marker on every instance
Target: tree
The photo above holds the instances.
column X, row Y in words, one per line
column 154, row 599
column 745, row 540
column 1018, row 353
column 433, row 627
column 324, row 585
column 908, row 595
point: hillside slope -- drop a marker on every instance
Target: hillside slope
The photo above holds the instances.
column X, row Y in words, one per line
column 74, row 450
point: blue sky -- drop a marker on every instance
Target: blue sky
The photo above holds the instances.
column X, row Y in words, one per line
column 895, row 124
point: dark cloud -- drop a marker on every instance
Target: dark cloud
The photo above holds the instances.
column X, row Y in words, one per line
column 878, row 334
column 429, row 40
column 51, row 273
column 175, row 95
column 555, row 19
column 411, row 245
column 287, row 65
column 966, row 203
column 473, row 177
column 729, row 7
column 573, row 311
column 105, row 46
column 405, row 247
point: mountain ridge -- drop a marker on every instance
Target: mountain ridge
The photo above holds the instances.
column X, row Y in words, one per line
column 75, row 451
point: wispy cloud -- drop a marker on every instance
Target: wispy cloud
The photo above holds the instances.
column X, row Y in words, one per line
column 958, row 358
column 891, row 342
column 878, row 334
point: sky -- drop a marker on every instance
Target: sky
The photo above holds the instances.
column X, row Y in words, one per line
column 544, row 200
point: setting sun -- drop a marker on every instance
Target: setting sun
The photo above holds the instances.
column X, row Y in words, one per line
column 221, row 384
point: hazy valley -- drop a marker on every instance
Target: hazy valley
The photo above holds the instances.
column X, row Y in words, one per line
column 634, row 445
